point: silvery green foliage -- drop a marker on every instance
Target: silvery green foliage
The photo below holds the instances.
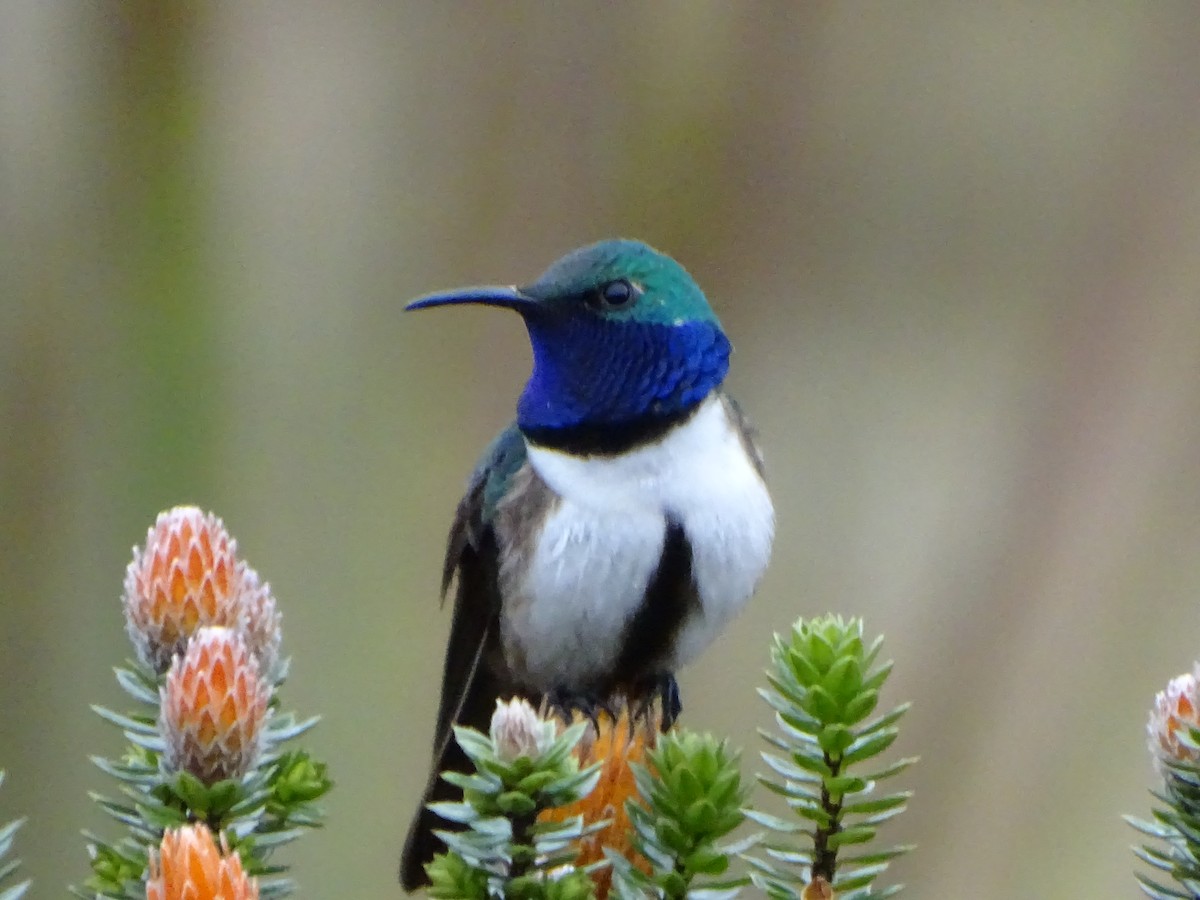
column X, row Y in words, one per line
column 691, row 795
column 9, row 866
column 1175, row 828
column 271, row 805
column 503, row 851
column 824, row 687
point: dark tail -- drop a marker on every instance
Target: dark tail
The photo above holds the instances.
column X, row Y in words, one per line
column 422, row 844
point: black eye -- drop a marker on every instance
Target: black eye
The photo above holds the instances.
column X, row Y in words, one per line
column 616, row 294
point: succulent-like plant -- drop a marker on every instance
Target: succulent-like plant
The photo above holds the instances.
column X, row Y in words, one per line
column 691, row 795
column 206, row 737
column 532, row 821
column 523, row 767
column 824, row 688
column 1174, row 737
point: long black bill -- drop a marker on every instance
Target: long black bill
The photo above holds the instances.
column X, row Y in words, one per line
column 505, row 296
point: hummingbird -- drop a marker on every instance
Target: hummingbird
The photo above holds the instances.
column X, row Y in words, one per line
column 612, row 531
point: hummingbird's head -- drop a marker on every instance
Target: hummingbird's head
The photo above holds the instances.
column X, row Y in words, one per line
column 622, row 336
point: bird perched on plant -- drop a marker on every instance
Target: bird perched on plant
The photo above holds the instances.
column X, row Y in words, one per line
column 615, row 528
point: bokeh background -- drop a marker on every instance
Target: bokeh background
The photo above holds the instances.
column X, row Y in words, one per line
column 955, row 245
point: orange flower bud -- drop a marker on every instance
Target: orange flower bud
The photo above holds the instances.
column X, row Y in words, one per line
column 214, row 707
column 188, row 576
column 617, row 743
column 189, row 866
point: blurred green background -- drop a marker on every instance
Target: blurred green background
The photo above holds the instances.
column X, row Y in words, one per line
column 955, row 245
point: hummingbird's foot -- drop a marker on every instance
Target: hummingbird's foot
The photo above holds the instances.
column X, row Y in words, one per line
column 566, row 704
column 672, row 702
column 660, row 690
column 654, row 699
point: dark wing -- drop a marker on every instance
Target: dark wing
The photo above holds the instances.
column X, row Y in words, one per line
column 471, row 553
column 470, row 685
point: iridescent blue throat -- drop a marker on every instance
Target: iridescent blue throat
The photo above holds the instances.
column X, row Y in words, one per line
column 604, row 387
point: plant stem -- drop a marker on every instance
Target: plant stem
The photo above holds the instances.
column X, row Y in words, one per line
column 824, row 856
column 523, row 849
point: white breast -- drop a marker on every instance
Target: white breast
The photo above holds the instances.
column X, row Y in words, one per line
column 601, row 545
